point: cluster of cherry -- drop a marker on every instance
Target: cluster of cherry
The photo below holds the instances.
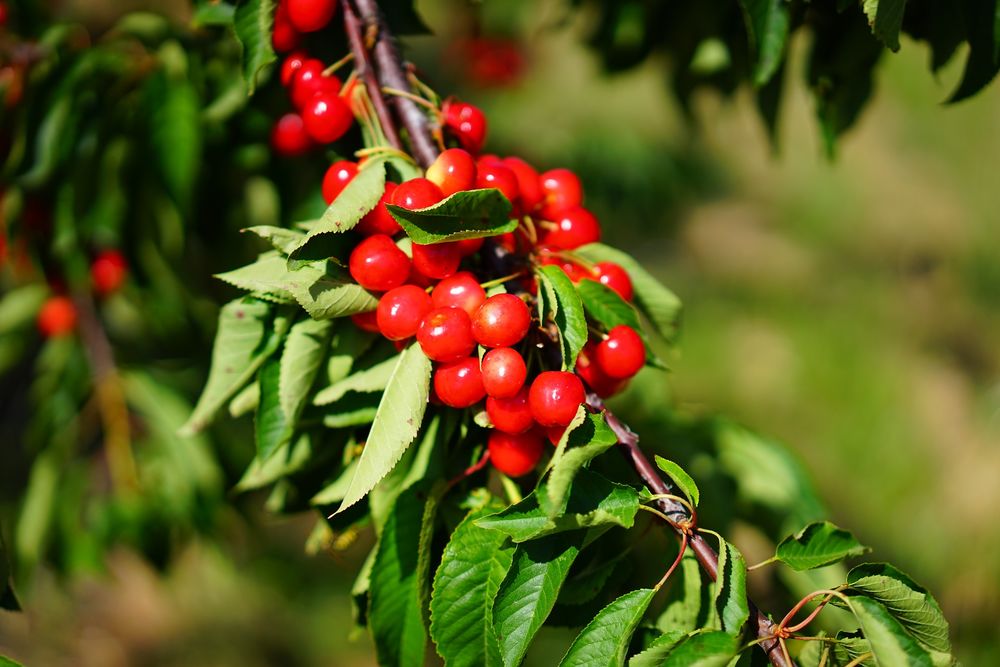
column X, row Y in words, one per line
column 58, row 316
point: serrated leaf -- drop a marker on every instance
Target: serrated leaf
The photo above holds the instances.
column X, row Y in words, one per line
column 529, row 591
column 305, row 350
column 576, row 449
column 690, row 601
column 351, row 410
column 657, row 302
column 889, row 642
column 605, row 306
column 702, row 648
column 565, row 308
column 469, row 214
column 400, row 413
column 818, row 544
column 656, row 652
column 681, row 479
column 605, row 640
column 885, row 18
column 474, row 563
column 375, row 378
column 270, row 423
column 281, row 239
column 731, row 590
column 767, row 24
column 253, row 22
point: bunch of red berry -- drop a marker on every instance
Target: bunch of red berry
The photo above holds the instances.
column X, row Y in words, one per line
column 58, row 315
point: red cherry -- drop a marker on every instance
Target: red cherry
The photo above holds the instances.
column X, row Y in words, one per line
column 460, row 290
column 459, row 384
column 507, row 241
column 614, row 277
column 504, row 372
column 310, row 15
column 445, row 334
column 289, row 137
column 528, row 183
column 308, row 80
column 574, row 227
column 417, row 193
column 293, row 62
column 468, row 247
column 562, row 189
column 466, row 122
column 379, row 220
column 57, row 317
column 327, row 117
column 510, row 415
column 622, row 353
column 4, row 14
column 591, row 373
column 284, row 37
column 366, row 321
column 337, row 177
column 501, row 321
column 575, row 272
column 555, row 434
column 453, row 171
column 377, row 264
column 420, row 280
column 108, row 271
column 555, row 397
column 401, row 310
column 496, row 175
column 515, row 455
column 436, row 260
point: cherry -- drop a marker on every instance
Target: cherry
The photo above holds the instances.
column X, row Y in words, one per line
column 453, row 171
column 510, row 415
column 501, row 321
column 289, row 137
column 308, row 80
column 420, row 280
column 366, row 321
column 337, row 177
column 614, row 277
column 327, row 117
column 461, row 290
column 622, row 353
column 310, row 15
column 57, row 317
column 575, row 227
column 507, row 241
column 379, row 220
column 401, row 310
column 108, row 271
column 555, row 434
column 575, row 272
column 504, row 372
column 459, row 384
column 590, row 372
column 496, row 175
column 417, row 193
column 562, row 189
column 445, row 334
column 4, row 14
column 515, row 455
column 468, row 247
column 466, row 122
column 377, row 264
column 284, row 37
column 528, row 183
column 554, row 398
column 293, row 62
column 436, row 260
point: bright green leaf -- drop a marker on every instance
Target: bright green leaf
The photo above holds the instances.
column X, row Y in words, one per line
column 605, row 640
column 305, row 350
column 655, row 653
column 731, row 590
column 889, row 642
column 469, row 214
column 175, row 134
column 702, row 648
column 7, row 662
column 605, row 306
column 19, row 306
column 253, row 21
column 271, row 425
column 281, row 239
column 372, row 379
column 565, row 308
column 681, row 479
column 575, row 450
column 818, row 544
column 690, row 604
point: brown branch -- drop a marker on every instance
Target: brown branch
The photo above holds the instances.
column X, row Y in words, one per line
column 363, row 66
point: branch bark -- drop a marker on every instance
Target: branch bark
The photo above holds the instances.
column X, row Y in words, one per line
column 363, row 66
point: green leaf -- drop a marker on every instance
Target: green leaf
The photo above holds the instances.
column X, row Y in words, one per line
column 605, row 306
column 7, row 662
column 681, row 479
column 372, row 379
column 213, row 14
column 605, row 640
column 657, row 302
column 890, row 643
column 470, row 214
column 529, row 590
column 702, row 648
column 305, row 350
column 245, row 401
column 290, row 458
column 253, row 22
column 465, row 585
column 272, row 428
column 656, row 653
column 397, row 422
column 886, row 18
column 982, row 25
column 19, row 306
column 559, row 300
column 690, row 606
column 767, row 24
column 818, row 544
column 576, row 449
column 281, row 239
column 175, row 134
column 731, row 590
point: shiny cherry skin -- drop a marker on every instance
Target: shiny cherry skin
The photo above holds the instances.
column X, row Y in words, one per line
column 467, row 123
column 309, row 80
column 417, row 193
column 327, row 117
column 497, row 175
column 575, row 227
column 57, row 317
column 501, row 321
column 461, row 290
column 555, row 397
column 453, row 171
column 379, row 220
column 459, row 384
column 561, row 188
column 436, row 260
column 504, row 372
column 515, row 455
column 337, row 177
column 400, row 311
column 284, row 36
column 377, row 264
column 614, row 277
column 512, row 414
column 470, row 246
column 366, row 321
column 108, row 272
column 445, row 334
column 292, row 63
column 289, row 137
column 528, row 184
column 310, row 15
column 622, row 353
column 590, row 372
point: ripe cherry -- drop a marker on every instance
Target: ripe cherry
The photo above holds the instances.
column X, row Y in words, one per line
column 445, row 334
column 575, row 272
column 555, row 434
column 497, row 175
column 501, row 321
column 379, row 220
column 417, row 193
column 575, row 227
column 57, row 317
column 466, row 122
column 309, row 80
column 590, row 372
column 512, row 414
column 459, row 383
column 515, row 455
column 528, row 183
column 337, row 177
column 108, row 271
column 622, row 353
column 284, row 37
column 327, row 117
column 377, row 264
column 504, row 372
column 436, row 260
column 366, row 321
column 310, row 15
column 292, row 63
column 401, row 310
column 453, row 171
column 614, row 277
column 461, row 290
column 555, row 397
column 562, row 189
column 468, row 247
column 289, row 137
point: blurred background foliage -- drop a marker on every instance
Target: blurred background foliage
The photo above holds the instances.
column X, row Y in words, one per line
column 848, row 308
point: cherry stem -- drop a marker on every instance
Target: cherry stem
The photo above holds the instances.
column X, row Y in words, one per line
column 830, row 594
column 501, row 280
column 410, row 96
column 471, row 470
column 363, row 66
column 340, row 63
column 677, row 561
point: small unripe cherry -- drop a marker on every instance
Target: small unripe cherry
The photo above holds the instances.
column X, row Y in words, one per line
column 292, row 63
column 454, row 170
column 379, row 220
column 377, row 264
column 515, row 455
column 461, row 290
column 504, row 372
column 497, row 175
column 436, row 260
column 575, row 227
column 614, row 277
column 528, row 184
column 337, row 177
column 502, row 321
column 561, row 188
column 366, row 321
column 310, row 15
column 459, row 384
column 596, row 379
column 108, row 272
column 289, row 137
column 555, row 397
column 511, row 414
column 57, row 317
column 284, row 36
column 466, row 122
column 622, row 353
column 327, row 117
column 400, row 311
column 416, row 193
column 445, row 334
column 309, row 81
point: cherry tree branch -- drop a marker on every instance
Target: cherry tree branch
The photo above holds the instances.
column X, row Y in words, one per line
column 363, row 66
